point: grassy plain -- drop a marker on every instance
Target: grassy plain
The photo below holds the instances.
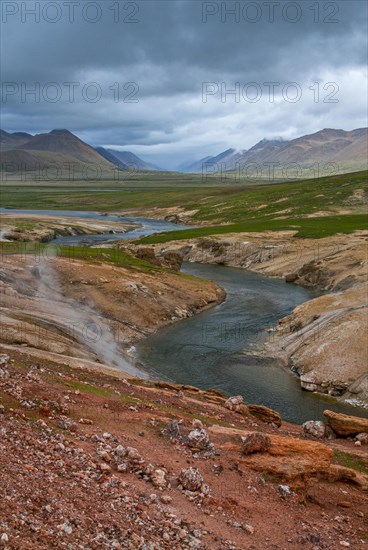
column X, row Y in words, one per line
column 315, row 207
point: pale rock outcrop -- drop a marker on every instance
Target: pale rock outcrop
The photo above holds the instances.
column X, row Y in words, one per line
column 345, row 425
column 291, row 458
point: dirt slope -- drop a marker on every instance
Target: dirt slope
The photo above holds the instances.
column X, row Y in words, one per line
column 91, row 460
column 92, row 310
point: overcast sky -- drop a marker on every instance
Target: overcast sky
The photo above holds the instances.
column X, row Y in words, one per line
column 155, row 77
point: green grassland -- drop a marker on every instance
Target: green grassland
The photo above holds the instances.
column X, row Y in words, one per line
column 315, row 207
column 314, row 228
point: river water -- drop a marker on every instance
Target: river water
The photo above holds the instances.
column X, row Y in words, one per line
column 220, row 348
column 147, row 226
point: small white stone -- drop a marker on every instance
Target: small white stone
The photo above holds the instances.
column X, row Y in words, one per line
column 67, row 528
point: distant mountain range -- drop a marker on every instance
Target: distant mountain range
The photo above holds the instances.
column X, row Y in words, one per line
column 330, row 149
column 60, row 150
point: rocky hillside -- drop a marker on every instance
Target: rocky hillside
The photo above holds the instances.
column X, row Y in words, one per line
column 94, row 459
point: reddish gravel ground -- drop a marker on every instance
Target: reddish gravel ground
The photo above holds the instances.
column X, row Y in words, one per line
column 89, row 460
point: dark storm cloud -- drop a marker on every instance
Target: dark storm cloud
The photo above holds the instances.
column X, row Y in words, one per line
column 168, row 50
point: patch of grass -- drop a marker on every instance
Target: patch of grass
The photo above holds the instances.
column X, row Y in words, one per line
column 349, row 461
column 95, row 390
column 131, row 400
column 8, row 401
column 306, row 227
column 115, row 256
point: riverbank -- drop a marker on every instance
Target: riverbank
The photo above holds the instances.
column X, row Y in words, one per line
column 323, row 340
column 44, row 228
column 93, row 307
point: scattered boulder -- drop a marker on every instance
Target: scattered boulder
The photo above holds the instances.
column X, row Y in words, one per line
column 120, row 450
column 105, row 456
column 66, row 423
column 191, row 479
column 133, row 455
column 255, row 442
column 345, row 425
column 158, row 479
column 198, row 439
column 236, row 404
column 285, row 491
column 362, row 438
column 233, row 403
column 265, row 414
column 85, row 421
column 173, row 429
column 291, row 277
column 315, row 428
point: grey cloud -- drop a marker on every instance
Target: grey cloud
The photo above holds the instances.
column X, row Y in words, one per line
column 169, row 53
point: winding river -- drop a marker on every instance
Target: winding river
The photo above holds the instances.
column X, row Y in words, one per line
column 219, row 348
